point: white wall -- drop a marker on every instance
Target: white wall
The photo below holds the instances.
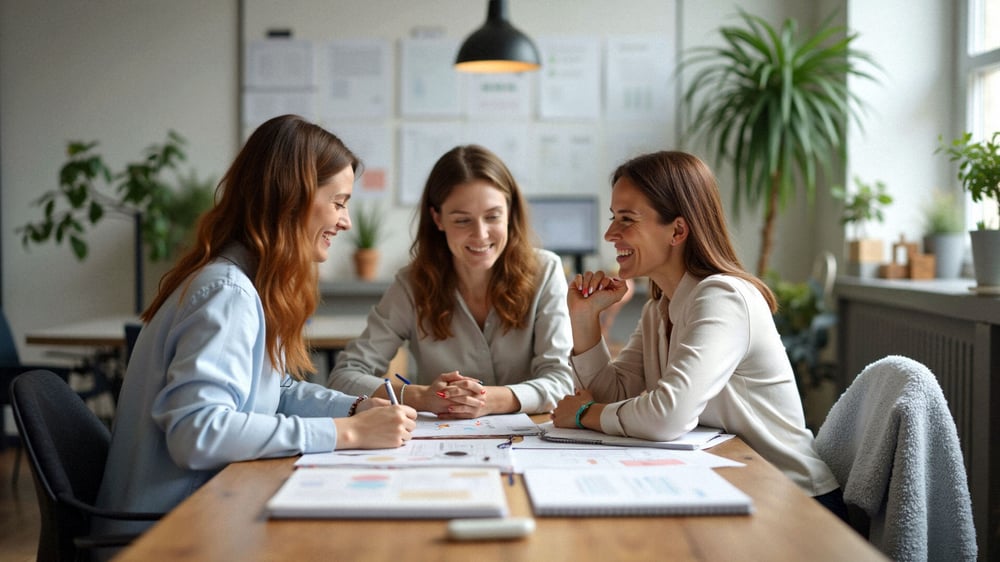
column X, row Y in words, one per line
column 913, row 41
column 124, row 72
column 121, row 72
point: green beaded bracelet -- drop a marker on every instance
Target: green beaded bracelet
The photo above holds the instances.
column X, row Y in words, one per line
column 583, row 410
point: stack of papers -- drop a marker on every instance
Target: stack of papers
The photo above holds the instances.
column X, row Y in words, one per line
column 420, row 453
column 452, row 468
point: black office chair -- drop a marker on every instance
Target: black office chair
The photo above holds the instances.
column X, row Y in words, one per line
column 10, row 367
column 68, row 447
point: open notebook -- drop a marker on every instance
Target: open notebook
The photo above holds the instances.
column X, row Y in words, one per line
column 412, row 493
column 687, row 490
column 700, row 437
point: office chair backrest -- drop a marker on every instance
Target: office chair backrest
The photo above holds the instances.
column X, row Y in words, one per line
column 8, row 348
column 891, row 443
column 132, row 330
column 67, row 445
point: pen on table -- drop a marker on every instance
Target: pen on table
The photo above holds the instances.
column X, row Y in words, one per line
column 390, row 393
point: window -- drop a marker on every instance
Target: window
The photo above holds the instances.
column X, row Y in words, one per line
column 979, row 83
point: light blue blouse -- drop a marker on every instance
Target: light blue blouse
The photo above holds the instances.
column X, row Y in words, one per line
column 200, row 393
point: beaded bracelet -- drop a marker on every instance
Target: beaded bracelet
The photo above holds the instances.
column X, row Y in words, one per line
column 583, row 410
column 354, row 407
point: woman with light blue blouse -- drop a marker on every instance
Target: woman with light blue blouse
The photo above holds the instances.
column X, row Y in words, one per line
column 482, row 311
column 216, row 374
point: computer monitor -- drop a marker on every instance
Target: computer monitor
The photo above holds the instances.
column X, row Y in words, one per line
column 566, row 225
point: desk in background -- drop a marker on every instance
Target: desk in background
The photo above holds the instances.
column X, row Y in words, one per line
column 226, row 520
column 324, row 333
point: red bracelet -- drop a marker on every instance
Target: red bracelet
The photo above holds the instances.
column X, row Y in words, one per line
column 354, row 407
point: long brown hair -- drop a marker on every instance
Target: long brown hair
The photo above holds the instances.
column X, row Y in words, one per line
column 678, row 184
column 511, row 285
column 262, row 203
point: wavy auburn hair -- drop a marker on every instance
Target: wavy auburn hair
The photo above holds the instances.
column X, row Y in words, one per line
column 263, row 203
column 511, row 285
column 678, row 184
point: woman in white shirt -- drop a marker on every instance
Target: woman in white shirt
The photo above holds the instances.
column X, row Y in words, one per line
column 482, row 311
column 216, row 373
column 706, row 349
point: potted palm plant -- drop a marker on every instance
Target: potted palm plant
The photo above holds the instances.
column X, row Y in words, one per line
column 773, row 103
column 979, row 172
column 368, row 225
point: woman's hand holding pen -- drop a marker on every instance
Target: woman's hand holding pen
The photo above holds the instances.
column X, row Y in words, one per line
column 376, row 425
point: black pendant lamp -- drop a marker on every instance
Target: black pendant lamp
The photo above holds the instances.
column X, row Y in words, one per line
column 497, row 46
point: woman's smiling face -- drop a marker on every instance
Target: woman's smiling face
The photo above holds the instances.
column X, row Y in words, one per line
column 642, row 241
column 474, row 220
column 328, row 214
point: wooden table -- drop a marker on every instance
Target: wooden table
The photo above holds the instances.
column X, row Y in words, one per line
column 225, row 520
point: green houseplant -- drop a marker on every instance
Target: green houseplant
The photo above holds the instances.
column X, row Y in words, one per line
column 163, row 212
column 944, row 233
column 775, row 104
column 368, row 224
column 979, row 173
column 89, row 190
column 861, row 207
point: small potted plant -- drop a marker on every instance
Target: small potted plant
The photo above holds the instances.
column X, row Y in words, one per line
column 368, row 226
column 861, row 207
column 945, row 233
column 979, row 172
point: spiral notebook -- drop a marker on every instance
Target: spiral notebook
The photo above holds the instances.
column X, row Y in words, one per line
column 687, row 490
column 700, row 437
column 411, row 493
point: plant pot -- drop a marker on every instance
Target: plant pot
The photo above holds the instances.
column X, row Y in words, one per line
column 864, row 256
column 366, row 263
column 986, row 257
column 948, row 249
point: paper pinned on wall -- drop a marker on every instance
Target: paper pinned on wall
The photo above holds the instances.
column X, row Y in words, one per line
column 569, row 83
column 429, row 85
column 637, row 78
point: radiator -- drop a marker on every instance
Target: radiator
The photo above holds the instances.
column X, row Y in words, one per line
column 944, row 345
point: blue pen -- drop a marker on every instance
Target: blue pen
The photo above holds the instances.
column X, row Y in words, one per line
column 402, row 378
column 392, row 395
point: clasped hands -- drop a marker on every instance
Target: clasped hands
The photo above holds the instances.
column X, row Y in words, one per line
column 454, row 396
